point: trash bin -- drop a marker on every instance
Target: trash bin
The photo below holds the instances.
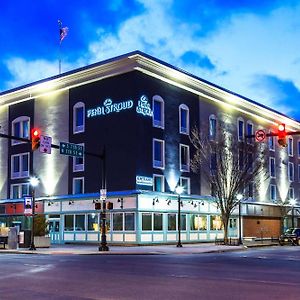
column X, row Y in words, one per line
column 24, row 238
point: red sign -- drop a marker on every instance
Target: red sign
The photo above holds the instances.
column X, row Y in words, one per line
column 260, row 135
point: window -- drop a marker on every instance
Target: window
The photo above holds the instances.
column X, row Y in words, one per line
column 117, row 221
column 249, row 131
column 198, row 222
column 186, row 184
column 212, row 127
column 291, row 171
column 184, row 158
column 299, row 149
column 215, row 223
column 250, row 190
column 20, row 128
column 183, row 222
column 299, row 172
column 80, row 222
column 69, row 223
column 213, row 163
column 291, row 193
column 240, row 129
column 273, row 192
column 271, row 143
column 290, row 146
column 78, row 163
column 158, row 222
column 78, row 117
column 20, row 165
column 158, row 183
column 78, row 185
column 184, row 119
column 18, row 191
column 158, row 112
column 171, row 222
column 92, row 222
column 146, row 221
column 129, row 221
column 272, row 168
column 158, row 154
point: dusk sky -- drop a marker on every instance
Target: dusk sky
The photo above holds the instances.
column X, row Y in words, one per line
column 251, row 47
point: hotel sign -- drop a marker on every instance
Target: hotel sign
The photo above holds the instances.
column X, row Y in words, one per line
column 143, row 180
column 109, row 107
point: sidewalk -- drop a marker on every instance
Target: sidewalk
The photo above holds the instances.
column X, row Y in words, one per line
column 135, row 250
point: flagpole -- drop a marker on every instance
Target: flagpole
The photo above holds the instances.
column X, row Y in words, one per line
column 59, row 49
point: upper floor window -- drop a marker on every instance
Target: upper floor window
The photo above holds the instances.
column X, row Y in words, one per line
column 185, row 182
column 212, row 127
column 184, row 158
column 78, row 163
column 272, row 169
column 290, row 146
column 291, row 193
column 158, row 154
column 213, row 163
column 18, row 191
column 184, row 119
column 78, row 185
column 273, row 192
column 158, row 183
column 78, row 117
column 20, row 165
column 291, row 171
column 271, row 143
column 250, row 131
column 298, row 149
column 240, row 129
column 158, row 108
column 20, row 128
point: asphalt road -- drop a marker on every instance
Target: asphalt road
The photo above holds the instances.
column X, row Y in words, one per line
column 272, row 273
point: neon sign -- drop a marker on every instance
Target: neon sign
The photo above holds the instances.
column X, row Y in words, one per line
column 109, row 107
column 143, row 180
column 143, row 107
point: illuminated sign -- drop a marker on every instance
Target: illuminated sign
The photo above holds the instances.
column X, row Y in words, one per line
column 144, row 107
column 143, row 180
column 109, row 107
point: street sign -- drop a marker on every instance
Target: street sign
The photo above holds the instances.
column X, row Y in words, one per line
column 103, row 194
column 260, row 135
column 27, row 205
column 45, row 144
column 71, row 149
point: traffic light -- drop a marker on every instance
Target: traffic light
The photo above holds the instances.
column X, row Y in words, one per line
column 35, row 138
column 282, row 135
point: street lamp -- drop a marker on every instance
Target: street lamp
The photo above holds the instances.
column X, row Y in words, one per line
column 34, row 181
column 179, row 191
column 293, row 203
column 240, row 197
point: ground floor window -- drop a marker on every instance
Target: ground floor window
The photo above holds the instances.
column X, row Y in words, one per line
column 171, row 222
column 158, row 222
column 146, row 221
column 215, row 223
column 80, row 222
column 123, row 221
column 198, row 222
column 93, row 222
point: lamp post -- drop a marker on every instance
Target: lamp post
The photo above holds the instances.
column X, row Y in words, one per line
column 179, row 190
column 240, row 197
column 34, row 181
column 293, row 202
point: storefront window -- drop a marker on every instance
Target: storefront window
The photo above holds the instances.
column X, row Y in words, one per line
column 183, row 222
column 171, row 222
column 158, row 219
column 215, row 223
column 69, row 222
column 118, row 222
column 93, row 222
column 198, row 222
column 146, row 221
column 79, row 222
column 129, row 221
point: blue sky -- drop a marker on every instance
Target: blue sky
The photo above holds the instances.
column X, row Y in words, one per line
column 251, row 47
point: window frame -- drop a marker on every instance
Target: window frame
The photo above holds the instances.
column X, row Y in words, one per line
column 188, row 180
column 212, row 135
column 21, row 173
column 250, row 123
column 162, row 181
column 291, row 176
column 19, row 185
column 184, row 167
column 73, row 185
column 272, row 159
column 160, row 123
column 162, row 165
column 20, row 120
column 240, row 136
column 185, row 108
column 80, row 128
column 273, row 188
column 290, row 146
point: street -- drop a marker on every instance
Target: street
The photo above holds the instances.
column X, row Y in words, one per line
column 261, row 273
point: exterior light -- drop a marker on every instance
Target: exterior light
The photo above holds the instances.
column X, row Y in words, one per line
column 293, row 202
column 34, row 181
column 179, row 189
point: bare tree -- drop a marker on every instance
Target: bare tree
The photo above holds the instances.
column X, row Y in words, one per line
column 229, row 166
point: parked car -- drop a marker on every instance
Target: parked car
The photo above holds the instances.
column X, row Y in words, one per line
column 291, row 236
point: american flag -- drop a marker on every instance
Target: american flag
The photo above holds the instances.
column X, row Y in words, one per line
column 63, row 33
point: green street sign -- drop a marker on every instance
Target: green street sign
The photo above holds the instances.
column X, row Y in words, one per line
column 71, row 149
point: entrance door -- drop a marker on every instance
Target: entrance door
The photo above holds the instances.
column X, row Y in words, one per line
column 54, row 231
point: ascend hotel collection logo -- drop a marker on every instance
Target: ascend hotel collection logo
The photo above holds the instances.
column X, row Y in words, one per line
column 109, row 107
